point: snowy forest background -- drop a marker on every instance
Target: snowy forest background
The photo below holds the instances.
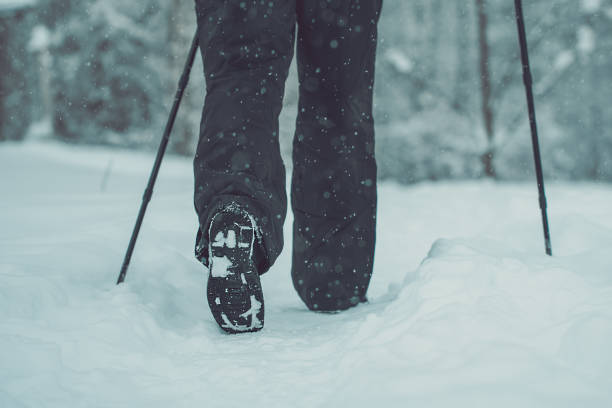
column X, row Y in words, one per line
column 449, row 101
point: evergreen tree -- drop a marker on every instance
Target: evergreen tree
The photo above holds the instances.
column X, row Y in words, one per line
column 109, row 72
column 18, row 79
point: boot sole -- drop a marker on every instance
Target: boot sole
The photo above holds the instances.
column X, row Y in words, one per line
column 234, row 292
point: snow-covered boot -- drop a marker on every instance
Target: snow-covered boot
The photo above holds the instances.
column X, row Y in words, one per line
column 234, row 288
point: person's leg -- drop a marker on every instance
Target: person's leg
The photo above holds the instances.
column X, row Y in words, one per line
column 247, row 47
column 334, row 175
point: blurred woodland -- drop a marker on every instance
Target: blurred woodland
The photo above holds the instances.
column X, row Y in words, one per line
column 449, row 101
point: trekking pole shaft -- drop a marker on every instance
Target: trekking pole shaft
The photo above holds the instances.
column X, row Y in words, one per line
column 184, row 80
column 532, row 121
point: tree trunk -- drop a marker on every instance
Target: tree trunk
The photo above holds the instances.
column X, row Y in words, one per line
column 463, row 81
column 485, row 86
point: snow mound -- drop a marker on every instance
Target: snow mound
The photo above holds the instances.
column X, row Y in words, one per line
column 476, row 324
column 480, row 317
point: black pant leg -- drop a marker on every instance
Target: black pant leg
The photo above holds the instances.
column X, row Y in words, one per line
column 247, row 46
column 334, row 177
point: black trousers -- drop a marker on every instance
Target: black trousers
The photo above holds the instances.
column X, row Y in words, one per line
column 247, row 47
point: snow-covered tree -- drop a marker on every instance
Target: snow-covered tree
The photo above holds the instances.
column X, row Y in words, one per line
column 109, row 71
column 17, row 82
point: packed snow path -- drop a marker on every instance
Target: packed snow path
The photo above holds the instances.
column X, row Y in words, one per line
column 465, row 309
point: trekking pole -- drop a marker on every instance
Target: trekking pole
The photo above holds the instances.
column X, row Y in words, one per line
column 518, row 6
column 184, row 80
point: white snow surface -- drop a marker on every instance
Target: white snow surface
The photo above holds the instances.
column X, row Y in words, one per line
column 465, row 309
column 220, row 266
column 15, row 4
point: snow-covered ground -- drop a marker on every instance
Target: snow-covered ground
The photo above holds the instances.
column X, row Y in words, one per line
column 465, row 309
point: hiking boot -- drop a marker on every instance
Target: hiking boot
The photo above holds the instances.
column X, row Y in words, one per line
column 234, row 289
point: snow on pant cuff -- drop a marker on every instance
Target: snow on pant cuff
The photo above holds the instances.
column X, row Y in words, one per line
column 267, row 245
